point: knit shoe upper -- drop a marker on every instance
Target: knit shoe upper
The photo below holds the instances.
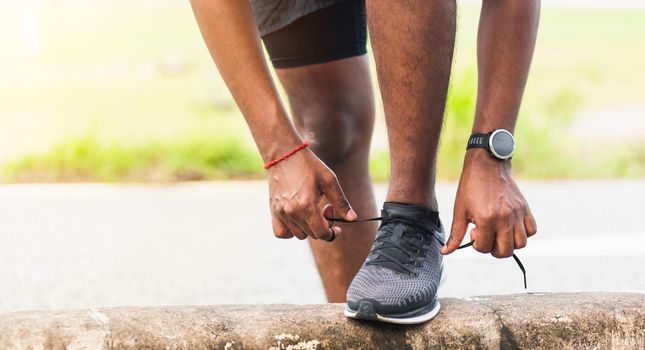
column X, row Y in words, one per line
column 403, row 269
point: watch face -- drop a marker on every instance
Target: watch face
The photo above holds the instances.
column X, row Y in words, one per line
column 501, row 144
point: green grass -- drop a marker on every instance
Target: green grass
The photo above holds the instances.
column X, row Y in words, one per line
column 222, row 155
column 543, row 149
column 127, row 92
column 88, row 159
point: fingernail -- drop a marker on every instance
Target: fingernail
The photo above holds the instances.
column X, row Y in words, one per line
column 351, row 215
column 337, row 230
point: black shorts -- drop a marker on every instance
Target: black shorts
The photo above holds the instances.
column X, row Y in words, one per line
column 331, row 33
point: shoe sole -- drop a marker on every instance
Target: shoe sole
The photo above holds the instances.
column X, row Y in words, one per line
column 368, row 313
column 365, row 313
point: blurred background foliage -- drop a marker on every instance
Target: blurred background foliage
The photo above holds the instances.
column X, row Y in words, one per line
column 125, row 91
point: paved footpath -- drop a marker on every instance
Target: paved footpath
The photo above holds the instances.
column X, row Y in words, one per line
column 68, row 246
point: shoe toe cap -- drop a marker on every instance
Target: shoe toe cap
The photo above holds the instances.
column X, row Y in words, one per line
column 386, row 293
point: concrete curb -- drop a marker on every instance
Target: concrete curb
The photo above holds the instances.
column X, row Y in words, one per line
column 529, row 321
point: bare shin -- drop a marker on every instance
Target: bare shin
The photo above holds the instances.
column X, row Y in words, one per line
column 413, row 43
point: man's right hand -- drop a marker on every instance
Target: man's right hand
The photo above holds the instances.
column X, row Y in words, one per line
column 296, row 187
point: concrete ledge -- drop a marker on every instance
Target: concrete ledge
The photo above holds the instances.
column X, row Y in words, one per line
column 547, row 321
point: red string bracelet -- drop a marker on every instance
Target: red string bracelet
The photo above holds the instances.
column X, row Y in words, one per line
column 289, row 154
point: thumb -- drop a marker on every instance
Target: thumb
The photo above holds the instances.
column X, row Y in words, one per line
column 457, row 233
column 331, row 189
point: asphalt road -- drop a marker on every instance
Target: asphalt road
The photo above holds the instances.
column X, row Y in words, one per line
column 69, row 246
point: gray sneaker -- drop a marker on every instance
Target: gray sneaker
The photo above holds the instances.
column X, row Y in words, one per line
column 399, row 280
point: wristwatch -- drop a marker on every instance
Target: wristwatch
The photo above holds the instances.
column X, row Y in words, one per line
column 499, row 143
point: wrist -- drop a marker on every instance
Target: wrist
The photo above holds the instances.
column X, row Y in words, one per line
column 272, row 130
column 487, row 120
column 279, row 146
column 276, row 139
column 300, row 148
column 480, row 158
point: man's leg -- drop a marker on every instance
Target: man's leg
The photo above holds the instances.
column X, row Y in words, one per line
column 413, row 45
column 333, row 108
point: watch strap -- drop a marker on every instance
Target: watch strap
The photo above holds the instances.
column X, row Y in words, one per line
column 478, row 141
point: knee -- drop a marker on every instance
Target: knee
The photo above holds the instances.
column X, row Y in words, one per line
column 337, row 131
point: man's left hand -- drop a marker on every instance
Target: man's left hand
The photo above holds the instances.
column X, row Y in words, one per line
column 489, row 198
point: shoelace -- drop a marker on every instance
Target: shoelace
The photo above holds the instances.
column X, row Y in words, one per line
column 332, row 221
column 410, row 253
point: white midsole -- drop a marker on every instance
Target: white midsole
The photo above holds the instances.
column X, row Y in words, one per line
column 412, row 320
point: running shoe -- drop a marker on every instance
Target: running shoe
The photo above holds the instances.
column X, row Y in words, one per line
column 399, row 280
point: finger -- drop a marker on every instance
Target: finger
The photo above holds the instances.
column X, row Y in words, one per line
column 280, row 230
column 320, row 228
column 328, row 211
column 529, row 223
column 503, row 246
column 333, row 192
column 334, row 233
column 293, row 215
column 457, row 233
column 484, row 237
column 519, row 235
column 301, row 219
column 294, row 228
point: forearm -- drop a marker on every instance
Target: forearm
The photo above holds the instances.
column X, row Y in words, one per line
column 487, row 196
column 505, row 44
column 228, row 28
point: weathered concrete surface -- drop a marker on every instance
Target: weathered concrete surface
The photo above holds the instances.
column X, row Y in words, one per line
column 535, row 321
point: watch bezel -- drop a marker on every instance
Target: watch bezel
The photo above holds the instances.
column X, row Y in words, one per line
column 492, row 149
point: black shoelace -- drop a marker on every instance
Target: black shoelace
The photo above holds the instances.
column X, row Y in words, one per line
column 420, row 227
